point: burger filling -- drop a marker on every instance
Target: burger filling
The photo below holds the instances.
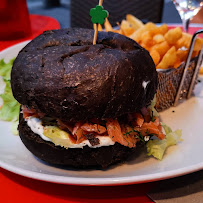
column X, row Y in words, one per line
column 127, row 130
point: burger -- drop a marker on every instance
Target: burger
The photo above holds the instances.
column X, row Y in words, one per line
column 84, row 105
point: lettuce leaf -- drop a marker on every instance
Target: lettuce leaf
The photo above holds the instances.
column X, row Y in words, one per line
column 157, row 147
column 2, row 85
column 5, row 69
column 9, row 108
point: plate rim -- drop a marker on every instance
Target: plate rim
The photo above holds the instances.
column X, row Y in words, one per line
column 13, row 46
column 102, row 181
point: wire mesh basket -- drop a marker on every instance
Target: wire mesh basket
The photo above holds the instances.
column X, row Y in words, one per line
column 177, row 84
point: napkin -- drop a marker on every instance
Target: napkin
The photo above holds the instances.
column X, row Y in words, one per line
column 184, row 189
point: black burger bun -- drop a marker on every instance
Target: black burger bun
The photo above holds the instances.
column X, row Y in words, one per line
column 63, row 75
column 85, row 157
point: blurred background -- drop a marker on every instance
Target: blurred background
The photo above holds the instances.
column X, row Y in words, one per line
column 15, row 22
column 60, row 10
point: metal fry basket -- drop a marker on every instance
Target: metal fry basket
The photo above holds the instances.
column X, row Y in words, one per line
column 177, row 84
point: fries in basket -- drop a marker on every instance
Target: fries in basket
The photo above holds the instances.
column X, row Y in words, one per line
column 167, row 47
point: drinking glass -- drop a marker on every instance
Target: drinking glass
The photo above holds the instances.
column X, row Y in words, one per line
column 14, row 19
column 187, row 9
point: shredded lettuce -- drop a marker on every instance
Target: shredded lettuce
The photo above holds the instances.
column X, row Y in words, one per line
column 9, row 110
column 157, row 147
column 152, row 107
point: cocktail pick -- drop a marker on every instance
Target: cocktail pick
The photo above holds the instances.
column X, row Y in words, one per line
column 98, row 16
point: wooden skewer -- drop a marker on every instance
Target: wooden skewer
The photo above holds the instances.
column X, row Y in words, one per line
column 100, row 2
column 95, row 34
column 96, row 27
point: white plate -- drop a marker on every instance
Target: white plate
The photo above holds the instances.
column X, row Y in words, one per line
column 184, row 158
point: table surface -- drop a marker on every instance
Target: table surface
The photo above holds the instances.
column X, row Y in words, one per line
column 13, row 187
column 21, row 189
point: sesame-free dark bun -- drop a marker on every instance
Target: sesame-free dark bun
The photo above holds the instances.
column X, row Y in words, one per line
column 64, row 76
column 85, row 157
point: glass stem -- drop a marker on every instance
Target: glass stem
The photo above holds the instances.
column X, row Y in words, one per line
column 186, row 23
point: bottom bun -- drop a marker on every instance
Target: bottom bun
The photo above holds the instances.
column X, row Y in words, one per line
column 85, row 157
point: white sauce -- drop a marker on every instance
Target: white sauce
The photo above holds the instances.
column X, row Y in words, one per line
column 37, row 127
column 103, row 140
column 144, row 84
column 146, row 138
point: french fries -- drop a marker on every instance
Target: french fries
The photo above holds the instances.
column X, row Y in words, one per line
column 99, row 27
column 126, row 28
column 137, row 35
column 168, row 59
column 177, row 63
column 108, row 26
column 167, row 47
column 182, row 54
column 185, row 41
column 158, row 38
column 155, row 56
column 162, row 48
column 135, row 22
column 147, row 40
column 163, row 29
column 201, row 70
column 173, row 35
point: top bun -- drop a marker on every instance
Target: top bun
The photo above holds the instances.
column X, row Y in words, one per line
column 63, row 75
